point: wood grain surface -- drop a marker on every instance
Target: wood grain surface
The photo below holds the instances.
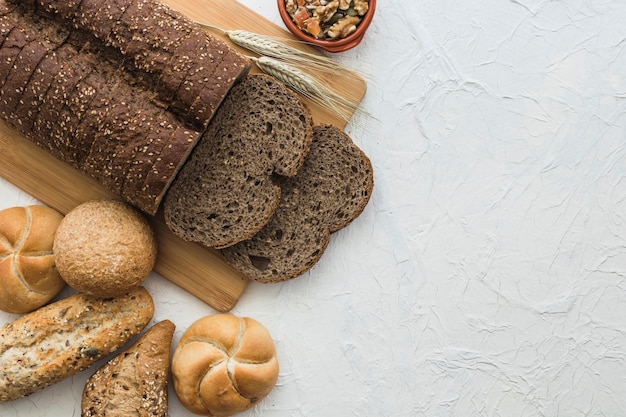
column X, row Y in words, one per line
column 200, row 271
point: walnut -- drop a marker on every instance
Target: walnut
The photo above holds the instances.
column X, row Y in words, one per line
column 291, row 6
column 343, row 27
column 325, row 13
column 344, row 4
column 361, row 6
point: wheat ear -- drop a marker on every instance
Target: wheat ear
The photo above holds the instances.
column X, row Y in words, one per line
column 275, row 48
column 306, row 85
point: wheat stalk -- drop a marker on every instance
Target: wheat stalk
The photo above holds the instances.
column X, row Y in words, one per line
column 306, row 85
column 287, row 64
column 275, row 48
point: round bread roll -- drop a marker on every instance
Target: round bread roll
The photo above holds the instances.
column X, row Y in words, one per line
column 28, row 275
column 104, row 248
column 224, row 364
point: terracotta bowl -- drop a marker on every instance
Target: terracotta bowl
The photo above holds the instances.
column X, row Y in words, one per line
column 338, row 45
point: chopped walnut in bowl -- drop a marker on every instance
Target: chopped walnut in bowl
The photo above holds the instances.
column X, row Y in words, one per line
column 335, row 25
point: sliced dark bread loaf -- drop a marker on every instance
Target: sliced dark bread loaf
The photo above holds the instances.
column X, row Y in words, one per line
column 66, row 92
column 226, row 190
column 176, row 55
column 329, row 192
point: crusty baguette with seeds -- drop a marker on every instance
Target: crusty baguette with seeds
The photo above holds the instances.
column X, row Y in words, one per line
column 63, row 338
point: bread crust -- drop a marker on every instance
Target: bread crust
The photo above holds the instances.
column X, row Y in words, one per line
column 28, row 273
column 63, row 338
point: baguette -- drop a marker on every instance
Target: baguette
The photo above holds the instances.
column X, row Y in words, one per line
column 66, row 337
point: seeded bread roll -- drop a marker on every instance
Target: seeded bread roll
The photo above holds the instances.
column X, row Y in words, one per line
column 28, row 273
column 63, row 338
column 328, row 193
column 133, row 383
column 223, row 365
column 104, row 248
column 226, row 190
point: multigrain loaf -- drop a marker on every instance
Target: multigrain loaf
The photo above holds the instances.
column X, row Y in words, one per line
column 227, row 189
column 133, row 383
column 28, row 274
column 83, row 81
column 224, row 364
column 66, row 337
column 328, row 193
column 191, row 70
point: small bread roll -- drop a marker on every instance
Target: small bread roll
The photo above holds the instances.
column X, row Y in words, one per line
column 28, row 275
column 224, row 364
column 104, row 248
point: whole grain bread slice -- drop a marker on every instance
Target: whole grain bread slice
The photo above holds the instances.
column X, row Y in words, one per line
column 133, row 383
column 328, row 193
column 27, row 61
column 225, row 191
column 13, row 44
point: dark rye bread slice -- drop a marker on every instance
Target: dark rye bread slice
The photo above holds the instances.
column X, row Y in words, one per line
column 46, row 127
column 126, row 126
column 166, row 165
column 15, row 41
column 7, row 8
column 328, row 193
column 226, row 190
column 105, row 83
column 62, row 109
column 17, row 82
column 86, row 102
column 32, row 98
column 64, row 106
column 146, row 156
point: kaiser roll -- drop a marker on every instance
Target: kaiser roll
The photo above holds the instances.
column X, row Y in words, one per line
column 223, row 364
column 104, row 248
column 28, row 275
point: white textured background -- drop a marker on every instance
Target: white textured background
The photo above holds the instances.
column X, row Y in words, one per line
column 487, row 275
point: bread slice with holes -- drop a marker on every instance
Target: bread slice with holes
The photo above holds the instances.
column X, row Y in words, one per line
column 227, row 190
column 331, row 189
column 133, row 383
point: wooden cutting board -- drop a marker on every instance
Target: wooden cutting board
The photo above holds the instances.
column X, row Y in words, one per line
column 199, row 270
